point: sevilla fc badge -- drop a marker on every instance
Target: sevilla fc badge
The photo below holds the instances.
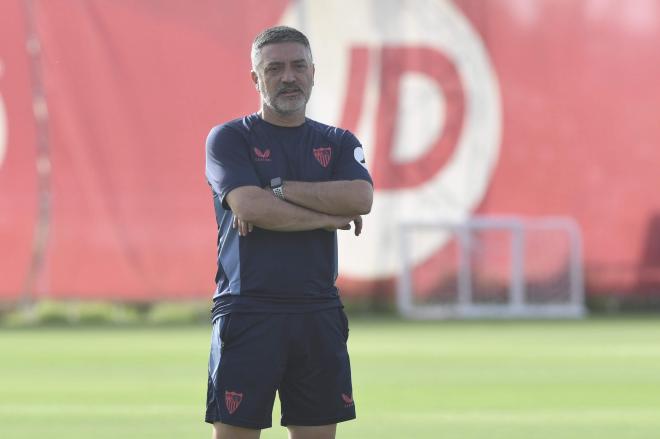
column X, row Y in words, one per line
column 232, row 401
column 323, row 155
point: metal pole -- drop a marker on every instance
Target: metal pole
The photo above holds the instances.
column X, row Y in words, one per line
column 43, row 162
column 517, row 267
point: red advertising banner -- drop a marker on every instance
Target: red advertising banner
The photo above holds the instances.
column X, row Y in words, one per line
column 465, row 107
column 580, row 89
column 18, row 170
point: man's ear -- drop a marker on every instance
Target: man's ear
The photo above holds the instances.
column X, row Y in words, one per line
column 313, row 72
column 255, row 79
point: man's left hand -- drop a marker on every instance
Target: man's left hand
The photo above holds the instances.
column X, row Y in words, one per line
column 358, row 225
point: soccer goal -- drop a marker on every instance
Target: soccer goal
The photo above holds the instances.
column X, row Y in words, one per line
column 491, row 267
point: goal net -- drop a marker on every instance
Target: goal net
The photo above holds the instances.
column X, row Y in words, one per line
column 491, row 267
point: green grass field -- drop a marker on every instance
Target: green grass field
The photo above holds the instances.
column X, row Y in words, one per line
column 598, row 378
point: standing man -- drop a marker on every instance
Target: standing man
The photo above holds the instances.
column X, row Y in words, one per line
column 282, row 186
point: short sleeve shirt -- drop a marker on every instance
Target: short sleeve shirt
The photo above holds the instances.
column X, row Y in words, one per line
column 268, row 271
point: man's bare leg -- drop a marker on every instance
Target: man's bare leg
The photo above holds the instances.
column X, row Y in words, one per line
column 320, row 432
column 224, row 431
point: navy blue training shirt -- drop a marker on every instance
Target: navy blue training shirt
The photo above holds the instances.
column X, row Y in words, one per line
column 269, row 271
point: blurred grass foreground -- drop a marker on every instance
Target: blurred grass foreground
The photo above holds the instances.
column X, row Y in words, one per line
column 104, row 313
column 596, row 378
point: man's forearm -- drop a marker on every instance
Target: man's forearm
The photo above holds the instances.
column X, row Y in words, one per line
column 286, row 217
column 258, row 207
column 344, row 197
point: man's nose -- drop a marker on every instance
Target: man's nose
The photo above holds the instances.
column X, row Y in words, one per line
column 288, row 75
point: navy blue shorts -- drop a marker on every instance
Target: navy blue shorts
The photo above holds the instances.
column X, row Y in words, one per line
column 302, row 356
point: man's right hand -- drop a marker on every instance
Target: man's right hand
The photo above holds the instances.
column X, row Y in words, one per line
column 344, row 223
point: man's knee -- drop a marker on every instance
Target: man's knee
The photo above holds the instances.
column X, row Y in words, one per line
column 224, row 431
column 320, row 432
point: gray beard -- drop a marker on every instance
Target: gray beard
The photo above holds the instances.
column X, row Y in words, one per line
column 286, row 112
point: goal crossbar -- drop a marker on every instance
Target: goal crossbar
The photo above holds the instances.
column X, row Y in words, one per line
column 516, row 305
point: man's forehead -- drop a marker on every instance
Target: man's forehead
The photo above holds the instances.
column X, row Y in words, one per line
column 286, row 51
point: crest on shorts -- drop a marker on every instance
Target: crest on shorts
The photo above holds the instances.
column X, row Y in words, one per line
column 348, row 400
column 323, row 155
column 232, row 401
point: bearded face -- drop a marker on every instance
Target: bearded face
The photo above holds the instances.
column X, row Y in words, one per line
column 284, row 76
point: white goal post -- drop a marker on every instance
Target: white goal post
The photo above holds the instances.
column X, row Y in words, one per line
column 496, row 267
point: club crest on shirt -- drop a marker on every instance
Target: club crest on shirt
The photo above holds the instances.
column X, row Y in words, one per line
column 323, row 155
column 232, row 401
column 261, row 156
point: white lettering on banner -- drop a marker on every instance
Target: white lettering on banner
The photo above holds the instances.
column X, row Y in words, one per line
column 420, row 93
column 423, row 96
column 3, row 122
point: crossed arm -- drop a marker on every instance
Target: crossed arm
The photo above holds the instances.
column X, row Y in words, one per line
column 328, row 205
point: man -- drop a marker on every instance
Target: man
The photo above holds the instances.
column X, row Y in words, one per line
column 282, row 186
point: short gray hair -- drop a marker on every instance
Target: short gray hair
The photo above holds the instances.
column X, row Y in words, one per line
column 278, row 34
